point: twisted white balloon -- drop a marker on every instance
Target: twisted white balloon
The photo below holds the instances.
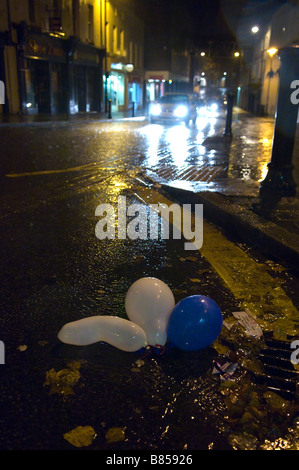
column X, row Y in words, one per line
column 116, row 331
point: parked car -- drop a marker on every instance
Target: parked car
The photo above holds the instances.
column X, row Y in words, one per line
column 174, row 107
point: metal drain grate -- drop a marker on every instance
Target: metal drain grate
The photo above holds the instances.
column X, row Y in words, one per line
column 204, row 173
column 280, row 376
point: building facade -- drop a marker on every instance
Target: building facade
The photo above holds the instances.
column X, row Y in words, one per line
column 69, row 56
column 261, row 44
column 123, row 34
column 167, row 67
column 283, row 32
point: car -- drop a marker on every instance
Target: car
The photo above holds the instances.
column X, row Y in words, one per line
column 174, row 107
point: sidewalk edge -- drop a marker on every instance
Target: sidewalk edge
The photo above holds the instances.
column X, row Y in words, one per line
column 266, row 235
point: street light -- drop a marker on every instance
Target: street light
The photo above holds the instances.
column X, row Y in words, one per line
column 255, row 29
column 236, row 54
column 272, row 51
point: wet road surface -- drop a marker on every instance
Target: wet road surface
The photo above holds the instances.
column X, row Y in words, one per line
column 54, row 270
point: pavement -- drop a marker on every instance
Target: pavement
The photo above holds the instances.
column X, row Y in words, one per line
column 271, row 224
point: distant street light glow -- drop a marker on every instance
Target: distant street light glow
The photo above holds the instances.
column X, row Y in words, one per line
column 236, row 54
column 255, row 29
column 272, row 51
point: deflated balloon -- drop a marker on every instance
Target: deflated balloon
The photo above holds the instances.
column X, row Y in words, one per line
column 118, row 332
column 149, row 302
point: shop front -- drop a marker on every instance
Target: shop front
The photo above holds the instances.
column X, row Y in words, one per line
column 58, row 75
column 42, row 74
column 136, row 90
column 115, row 87
column 85, row 77
column 123, row 87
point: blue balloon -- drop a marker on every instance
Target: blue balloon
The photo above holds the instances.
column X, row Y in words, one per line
column 194, row 323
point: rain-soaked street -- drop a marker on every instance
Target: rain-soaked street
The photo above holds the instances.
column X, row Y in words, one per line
column 55, row 270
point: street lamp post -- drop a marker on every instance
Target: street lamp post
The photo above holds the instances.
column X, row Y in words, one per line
column 227, row 134
column 279, row 179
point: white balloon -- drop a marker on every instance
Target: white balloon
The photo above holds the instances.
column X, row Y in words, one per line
column 149, row 303
column 116, row 331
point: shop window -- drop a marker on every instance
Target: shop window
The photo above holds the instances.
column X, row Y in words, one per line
column 30, row 82
column 58, row 85
column 116, row 91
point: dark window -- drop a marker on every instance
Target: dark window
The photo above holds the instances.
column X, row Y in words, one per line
column 90, row 23
column 31, row 9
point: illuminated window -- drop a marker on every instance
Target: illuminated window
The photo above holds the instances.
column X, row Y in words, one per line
column 122, row 42
column 115, row 40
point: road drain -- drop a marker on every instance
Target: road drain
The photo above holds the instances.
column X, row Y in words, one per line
column 195, row 173
column 280, row 376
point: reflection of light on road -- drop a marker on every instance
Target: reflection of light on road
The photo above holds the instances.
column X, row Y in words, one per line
column 211, row 156
column 177, row 143
column 212, row 114
column 117, row 185
column 201, row 123
column 212, row 123
column 177, row 138
column 263, row 170
column 246, row 173
column 153, row 133
column 266, row 142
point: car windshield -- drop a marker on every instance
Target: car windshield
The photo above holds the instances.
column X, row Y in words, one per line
column 174, row 99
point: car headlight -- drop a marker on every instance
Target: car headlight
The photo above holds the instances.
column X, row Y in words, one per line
column 181, row 111
column 156, row 110
column 214, row 107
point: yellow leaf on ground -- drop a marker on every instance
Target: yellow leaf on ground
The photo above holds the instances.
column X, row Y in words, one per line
column 81, row 436
column 64, row 380
column 115, row 435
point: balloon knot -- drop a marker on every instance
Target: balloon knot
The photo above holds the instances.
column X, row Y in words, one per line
column 156, row 350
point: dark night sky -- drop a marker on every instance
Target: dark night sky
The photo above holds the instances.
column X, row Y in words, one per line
column 187, row 22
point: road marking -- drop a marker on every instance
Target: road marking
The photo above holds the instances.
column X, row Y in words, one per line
column 249, row 281
column 49, row 172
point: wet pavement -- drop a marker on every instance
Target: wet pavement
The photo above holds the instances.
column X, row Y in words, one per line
column 225, row 176
column 54, row 270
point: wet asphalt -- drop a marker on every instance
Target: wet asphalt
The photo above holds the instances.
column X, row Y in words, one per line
column 55, row 270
